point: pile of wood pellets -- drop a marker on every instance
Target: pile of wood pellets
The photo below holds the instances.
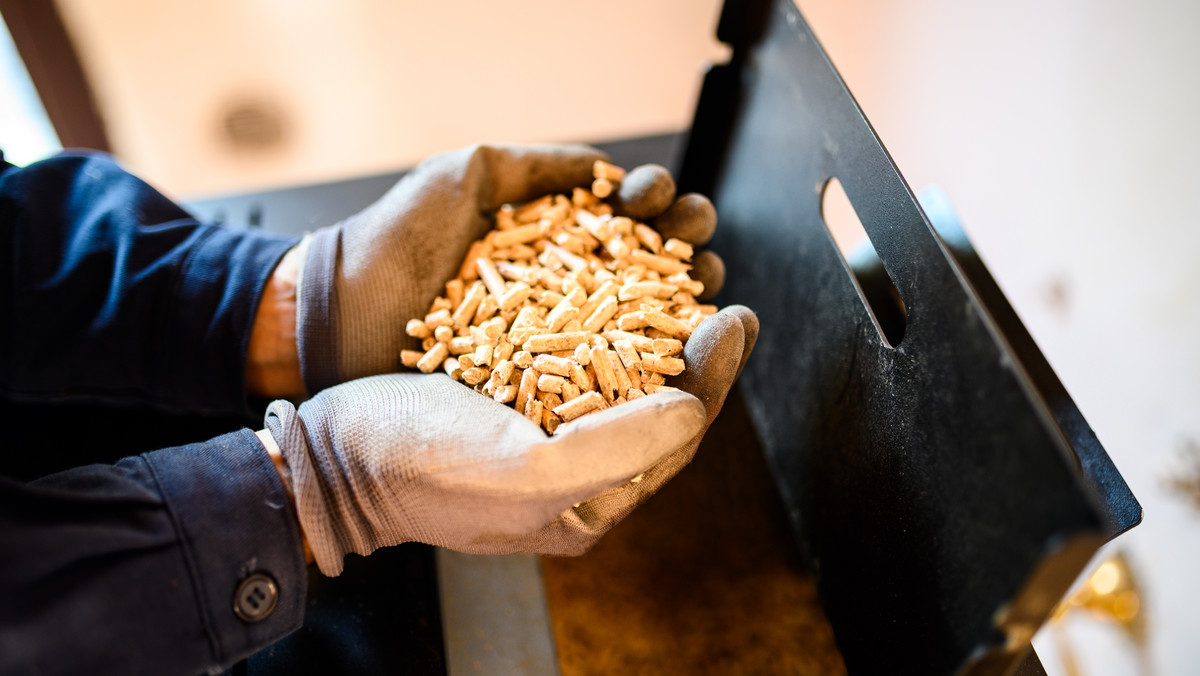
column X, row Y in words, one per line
column 563, row 308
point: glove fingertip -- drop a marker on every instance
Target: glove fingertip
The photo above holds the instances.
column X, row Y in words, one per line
column 635, row 435
column 692, row 218
column 709, row 269
column 646, row 191
column 713, row 356
column 749, row 329
column 663, row 410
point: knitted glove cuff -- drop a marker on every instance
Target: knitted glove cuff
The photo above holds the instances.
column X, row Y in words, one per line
column 313, row 507
column 317, row 311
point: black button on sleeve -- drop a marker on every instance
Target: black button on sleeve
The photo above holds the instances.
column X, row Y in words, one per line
column 255, row 597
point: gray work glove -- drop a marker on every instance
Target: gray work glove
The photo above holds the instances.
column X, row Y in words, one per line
column 363, row 279
column 389, row 459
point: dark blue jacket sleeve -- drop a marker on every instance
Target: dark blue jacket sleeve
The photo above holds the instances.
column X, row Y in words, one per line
column 113, row 293
column 110, row 293
column 132, row 568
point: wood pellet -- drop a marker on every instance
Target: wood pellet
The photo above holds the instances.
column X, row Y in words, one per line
column 564, row 309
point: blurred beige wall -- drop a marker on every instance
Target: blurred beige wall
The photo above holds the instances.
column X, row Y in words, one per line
column 369, row 85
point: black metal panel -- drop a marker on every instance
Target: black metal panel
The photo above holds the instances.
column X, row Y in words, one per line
column 945, row 488
column 1122, row 510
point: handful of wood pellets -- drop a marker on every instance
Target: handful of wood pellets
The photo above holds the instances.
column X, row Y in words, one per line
column 564, row 309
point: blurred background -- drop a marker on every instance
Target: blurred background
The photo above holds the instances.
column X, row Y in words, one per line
column 1063, row 133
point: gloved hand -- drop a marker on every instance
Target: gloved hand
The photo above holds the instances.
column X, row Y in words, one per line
column 362, row 279
column 396, row 458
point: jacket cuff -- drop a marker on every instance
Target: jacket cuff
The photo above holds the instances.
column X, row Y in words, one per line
column 240, row 538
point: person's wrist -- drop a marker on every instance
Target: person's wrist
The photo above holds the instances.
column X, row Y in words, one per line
column 268, row 441
column 272, row 357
